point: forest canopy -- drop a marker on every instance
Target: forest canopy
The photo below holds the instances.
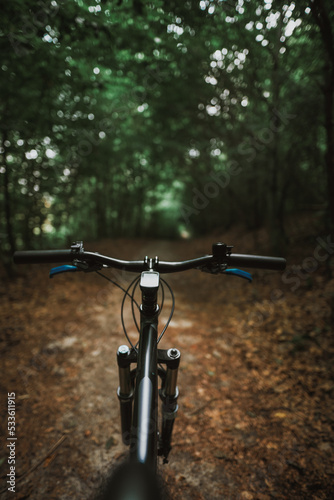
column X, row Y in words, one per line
column 163, row 118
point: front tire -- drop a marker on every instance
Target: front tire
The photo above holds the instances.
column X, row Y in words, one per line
column 134, row 481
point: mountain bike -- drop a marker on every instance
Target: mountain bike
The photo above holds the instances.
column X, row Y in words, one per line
column 141, row 365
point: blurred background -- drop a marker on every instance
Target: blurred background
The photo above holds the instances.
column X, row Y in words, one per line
column 163, row 119
column 128, row 121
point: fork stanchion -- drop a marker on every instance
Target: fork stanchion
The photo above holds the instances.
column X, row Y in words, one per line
column 125, row 391
column 168, row 394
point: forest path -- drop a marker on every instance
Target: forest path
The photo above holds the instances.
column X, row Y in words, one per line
column 256, row 380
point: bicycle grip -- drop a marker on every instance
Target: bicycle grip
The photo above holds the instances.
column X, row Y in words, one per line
column 43, row 256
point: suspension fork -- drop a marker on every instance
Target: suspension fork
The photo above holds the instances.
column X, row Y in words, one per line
column 140, row 428
column 168, row 394
column 125, row 391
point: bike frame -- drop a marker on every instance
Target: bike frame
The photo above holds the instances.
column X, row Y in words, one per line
column 138, row 388
column 140, row 430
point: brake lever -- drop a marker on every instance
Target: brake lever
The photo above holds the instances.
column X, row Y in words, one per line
column 222, row 269
column 240, row 273
column 79, row 265
column 62, row 269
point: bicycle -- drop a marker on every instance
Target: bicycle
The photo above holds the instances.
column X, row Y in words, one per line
column 138, row 390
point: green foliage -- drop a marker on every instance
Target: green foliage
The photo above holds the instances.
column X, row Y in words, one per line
column 134, row 118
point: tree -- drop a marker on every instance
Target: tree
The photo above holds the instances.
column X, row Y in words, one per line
column 118, row 115
column 323, row 16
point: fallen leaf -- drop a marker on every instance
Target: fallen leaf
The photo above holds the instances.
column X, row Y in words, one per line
column 111, row 442
column 247, row 495
column 280, row 414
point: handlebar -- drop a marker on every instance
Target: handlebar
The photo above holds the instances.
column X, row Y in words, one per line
column 220, row 259
column 43, row 256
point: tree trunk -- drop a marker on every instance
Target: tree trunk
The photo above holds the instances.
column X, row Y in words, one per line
column 323, row 21
column 7, row 200
column 276, row 202
column 329, row 156
column 101, row 209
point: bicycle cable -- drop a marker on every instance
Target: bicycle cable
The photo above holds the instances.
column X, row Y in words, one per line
column 160, row 310
column 133, row 283
column 115, row 283
column 134, row 301
column 172, row 309
column 127, row 293
column 132, row 308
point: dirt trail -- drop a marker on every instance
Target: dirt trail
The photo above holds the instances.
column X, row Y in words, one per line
column 256, row 381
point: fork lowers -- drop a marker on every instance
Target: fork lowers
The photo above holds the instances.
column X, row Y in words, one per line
column 168, row 394
column 125, row 391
